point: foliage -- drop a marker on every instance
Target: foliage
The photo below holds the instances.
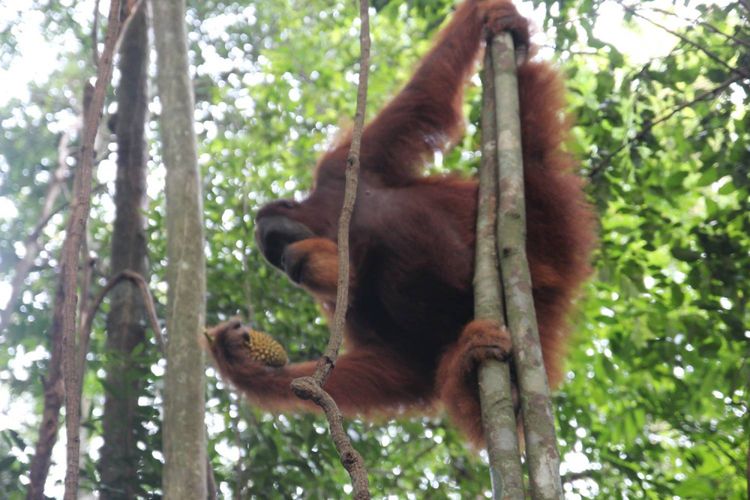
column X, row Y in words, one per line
column 664, row 322
column 655, row 404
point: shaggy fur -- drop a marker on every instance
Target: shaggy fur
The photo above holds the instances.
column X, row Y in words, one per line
column 410, row 339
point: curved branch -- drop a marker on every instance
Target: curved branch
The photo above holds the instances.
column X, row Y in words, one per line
column 88, row 318
column 312, row 387
column 309, row 388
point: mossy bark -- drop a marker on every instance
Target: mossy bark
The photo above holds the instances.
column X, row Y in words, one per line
column 126, row 321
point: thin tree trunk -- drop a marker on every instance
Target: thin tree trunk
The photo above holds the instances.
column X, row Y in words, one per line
column 495, row 389
column 69, row 259
column 126, row 321
column 62, row 363
column 542, row 456
column 184, row 431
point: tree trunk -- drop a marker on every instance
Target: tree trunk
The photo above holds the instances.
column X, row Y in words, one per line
column 184, row 431
column 494, row 377
column 542, row 456
column 54, row 395
column 126, row 321
column 62, row 379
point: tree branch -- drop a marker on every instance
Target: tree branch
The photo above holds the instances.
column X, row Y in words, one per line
column 148, row 300
column 312, row 387
column 326, row 362
column 495, row 388
column 542, row 456
column 71, row 248
column 88, row 318
column 309, row 388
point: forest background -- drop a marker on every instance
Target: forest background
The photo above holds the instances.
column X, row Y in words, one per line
column 655, row 401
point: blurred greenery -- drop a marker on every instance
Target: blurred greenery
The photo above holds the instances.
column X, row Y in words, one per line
column 655, row 401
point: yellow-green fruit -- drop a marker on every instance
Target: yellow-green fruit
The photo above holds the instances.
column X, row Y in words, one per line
column 264, row 349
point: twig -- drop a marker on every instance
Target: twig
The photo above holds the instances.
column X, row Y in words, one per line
column 596, row 170
column 88, row 319
column 87, row 265
column 312, row 387
column 87, row 272
column 31, row 251
column 71, row 247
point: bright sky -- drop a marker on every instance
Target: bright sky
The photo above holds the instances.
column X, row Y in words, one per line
column 39, row 58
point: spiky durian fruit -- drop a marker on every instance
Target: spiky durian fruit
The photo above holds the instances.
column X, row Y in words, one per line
column 264, row 349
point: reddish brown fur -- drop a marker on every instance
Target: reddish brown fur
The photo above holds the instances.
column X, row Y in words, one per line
column 410, row 338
